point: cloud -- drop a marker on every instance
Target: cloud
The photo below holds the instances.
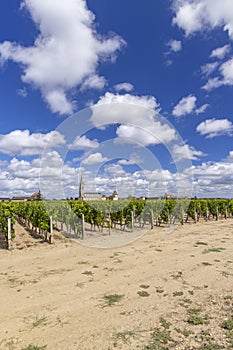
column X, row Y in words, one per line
column 226, row 78
column 215, row 127
column 134, row 159
column 209, row 68
column 21, row 142
column 137, row 115
column 83, row 143
column 94, row 82
column 94, row 158
column 185, row 106
column 127, row 87
column 214, row 179
column 202, row 109
column 201, row 15
column 66, row 52
column 220, row 52
column 212, row 83
column 174, row 45
column 186, row 152
column 22, row 92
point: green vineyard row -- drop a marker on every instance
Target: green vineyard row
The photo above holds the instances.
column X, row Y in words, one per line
column 36, row 214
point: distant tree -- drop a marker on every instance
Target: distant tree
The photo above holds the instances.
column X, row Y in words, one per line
column 39, row 196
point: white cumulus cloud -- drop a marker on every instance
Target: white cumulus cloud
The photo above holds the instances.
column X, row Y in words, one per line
column 185, row 106
column 174, row 45
column 21, row 142
column 66, row 52
column 137, row 116
column 215, row 127
column 94, row 158
column 186, row 152
column 220, row 52
column 127, row 87
column 84, row 143
column 201, row 15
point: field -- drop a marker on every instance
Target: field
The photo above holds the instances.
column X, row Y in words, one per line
column 167, row 290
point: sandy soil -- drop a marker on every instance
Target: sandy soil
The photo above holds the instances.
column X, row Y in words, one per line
column 145, row 295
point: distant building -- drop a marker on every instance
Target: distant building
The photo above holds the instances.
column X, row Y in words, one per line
column 34, row 196
column 4, row 199
column 88, row 196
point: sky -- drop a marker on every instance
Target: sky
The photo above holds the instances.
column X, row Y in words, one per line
column 135, row 98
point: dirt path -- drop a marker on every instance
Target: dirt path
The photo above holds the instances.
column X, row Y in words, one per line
column 164, row 291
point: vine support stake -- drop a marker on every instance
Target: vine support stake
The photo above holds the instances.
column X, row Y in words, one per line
column 132, row 220
column 51, row 230
column 83, row 226
column 152, row 219
column 9, row 233
column 109, row 223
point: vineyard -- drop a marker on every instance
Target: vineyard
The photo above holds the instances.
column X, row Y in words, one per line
column 124, row 215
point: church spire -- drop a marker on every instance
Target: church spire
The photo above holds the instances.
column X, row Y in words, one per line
column 81, row 188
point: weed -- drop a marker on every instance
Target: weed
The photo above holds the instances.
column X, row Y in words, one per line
column 177, row 293
column 227, row 324
column 205, row 263
column 143, row 293
column 124, row 336
column 144, row 286
column 35, row 347
column 196, row 320
column 87, row 273
column 211, row 347
column 194, row 311
column 158, row 290
column 112, row 299
column 201, row 243
column 213, row 250
column 159, row 338
column 82, row 262
column 186, row 333
column 164, row 323
column 80, row 284
column 39, row 321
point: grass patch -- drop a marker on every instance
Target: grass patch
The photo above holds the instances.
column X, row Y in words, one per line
column 158, row 290
column 164, row 323
column 205, row 263
column 227, row 324
column 144, row 286
column 185, row 332
column 124, row 336
column 194, row 311
column 35, row 347
column 87, row 273
column 201, row 243
column 159, row 339
column 213, row 250
column 83, row 262
column 111, row 299
column 143, row 293
column 178, row 294
column 196, row 320
column 39, row 321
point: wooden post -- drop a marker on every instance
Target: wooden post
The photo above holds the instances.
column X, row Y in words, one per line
column 83, row 226
column 182, row 213
column 195, row 215
column 132, row 220
column 8, row 233
column 152, row 219
column 109, row 223
column 51, row 230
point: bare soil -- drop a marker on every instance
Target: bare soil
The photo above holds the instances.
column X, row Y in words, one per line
column 166, row 290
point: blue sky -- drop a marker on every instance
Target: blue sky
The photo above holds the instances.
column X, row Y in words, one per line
column 136, row 98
